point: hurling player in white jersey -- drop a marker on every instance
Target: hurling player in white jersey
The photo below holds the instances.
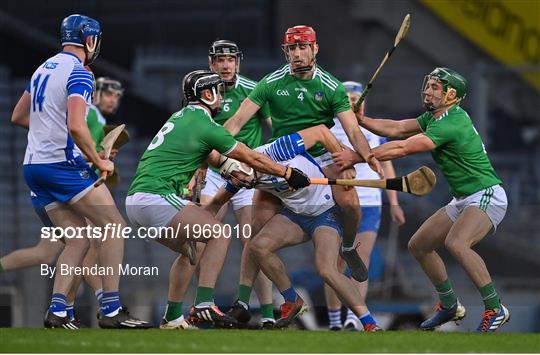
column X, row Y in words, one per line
column 53, row 108
column 309, row 213
column 370, row 202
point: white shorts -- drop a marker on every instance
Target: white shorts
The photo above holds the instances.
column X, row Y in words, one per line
column 214, row 182
column 491, row 200
column 152, row 210
column 324, row 160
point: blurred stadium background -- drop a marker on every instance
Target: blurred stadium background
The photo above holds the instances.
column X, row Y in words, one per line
column 150, row 45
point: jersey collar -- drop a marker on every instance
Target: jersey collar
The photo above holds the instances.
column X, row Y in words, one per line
column 198, row 107
column 71, row 54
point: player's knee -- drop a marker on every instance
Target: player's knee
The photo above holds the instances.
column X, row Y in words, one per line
column 414, row 247
column 326, row 273
column 258, row 248
column 454, row 246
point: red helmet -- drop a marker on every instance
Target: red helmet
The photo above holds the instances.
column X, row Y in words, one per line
column 300, row 33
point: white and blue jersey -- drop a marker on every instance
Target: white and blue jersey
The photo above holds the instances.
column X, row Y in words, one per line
column 370, row 198
column 53, row 166
column 58, row 78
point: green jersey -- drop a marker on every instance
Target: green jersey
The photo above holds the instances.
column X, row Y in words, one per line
column 251, row 132
column 96, row 122
column 296, row 103
column 178, row 149
column 459, row 151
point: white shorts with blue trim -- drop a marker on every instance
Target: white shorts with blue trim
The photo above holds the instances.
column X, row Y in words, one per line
column 152, row 210
column 492, row 200
column 214, row 182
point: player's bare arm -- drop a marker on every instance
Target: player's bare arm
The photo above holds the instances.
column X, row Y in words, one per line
column 21, row 112
column 247, row 109
column 259, row 161
column 390, row 128
column 81, row 135
column 418, row 143
column 358, row 140
column 320, row 134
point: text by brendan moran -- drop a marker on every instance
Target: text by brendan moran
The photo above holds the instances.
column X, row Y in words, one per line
column 122, row 270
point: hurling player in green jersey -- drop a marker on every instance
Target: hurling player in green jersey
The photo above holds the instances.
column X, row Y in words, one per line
column 166, row 167
column 224, row 59
column 301, row 95
column 479, row 202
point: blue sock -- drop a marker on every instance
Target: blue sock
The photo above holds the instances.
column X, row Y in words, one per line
column 58, row 304
column 367, row 318
column 289, row 294
column 110, row 302
column 70, row 311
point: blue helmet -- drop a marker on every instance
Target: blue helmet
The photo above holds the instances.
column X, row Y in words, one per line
column 75, row 29
column 354, row 87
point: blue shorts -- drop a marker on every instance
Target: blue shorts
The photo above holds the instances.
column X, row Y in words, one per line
column 371, row 219
column 308, row 224
column 58, row 182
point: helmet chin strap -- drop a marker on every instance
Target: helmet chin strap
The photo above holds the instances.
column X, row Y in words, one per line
column 208, row 104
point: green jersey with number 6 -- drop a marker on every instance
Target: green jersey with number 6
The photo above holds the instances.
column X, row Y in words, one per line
column 251, row 132
column 296, row 103
column 178, row 149
column 459, row 151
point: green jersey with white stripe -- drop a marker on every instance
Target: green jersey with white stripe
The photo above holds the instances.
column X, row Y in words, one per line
column 178, row 149
column 459, row 151
column 296, row 103
column 251, row 132
column 96, row 122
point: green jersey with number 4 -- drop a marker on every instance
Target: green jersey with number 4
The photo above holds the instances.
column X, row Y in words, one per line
column 459, row 151
column 296, row 103
column 178, row 149
column 251, row 132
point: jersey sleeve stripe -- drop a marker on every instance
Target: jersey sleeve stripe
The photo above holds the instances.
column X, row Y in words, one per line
column 231, row 149
column 278, row 73
column 328, row 77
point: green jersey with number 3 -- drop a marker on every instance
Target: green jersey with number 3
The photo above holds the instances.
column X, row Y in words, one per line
column 251, row 132
column 459, row 151
column 296, row 103
column 178, row 149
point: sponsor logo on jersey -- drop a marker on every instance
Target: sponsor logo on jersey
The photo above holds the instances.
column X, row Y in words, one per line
column 300, row 89
column 319, row 95
column 50, row 65
column 282, row 93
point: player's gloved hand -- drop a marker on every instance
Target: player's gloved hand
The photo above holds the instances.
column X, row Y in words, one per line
column 296, row 178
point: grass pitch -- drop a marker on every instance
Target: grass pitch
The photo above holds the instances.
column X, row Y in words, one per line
column 249, row 341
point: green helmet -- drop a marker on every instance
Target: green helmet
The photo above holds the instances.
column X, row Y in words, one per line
column 452, row 78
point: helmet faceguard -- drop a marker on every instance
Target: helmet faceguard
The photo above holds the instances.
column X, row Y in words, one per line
column 82, row 31
column 298, row 36
column 196, row 82
column 451, row 81
column 226, row 48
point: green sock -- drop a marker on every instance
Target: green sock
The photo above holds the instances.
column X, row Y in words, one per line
column 204, row 294
column 490, row 297
column 267, row 310
column 244, row 293
column 446, row 294
column 173, row 311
